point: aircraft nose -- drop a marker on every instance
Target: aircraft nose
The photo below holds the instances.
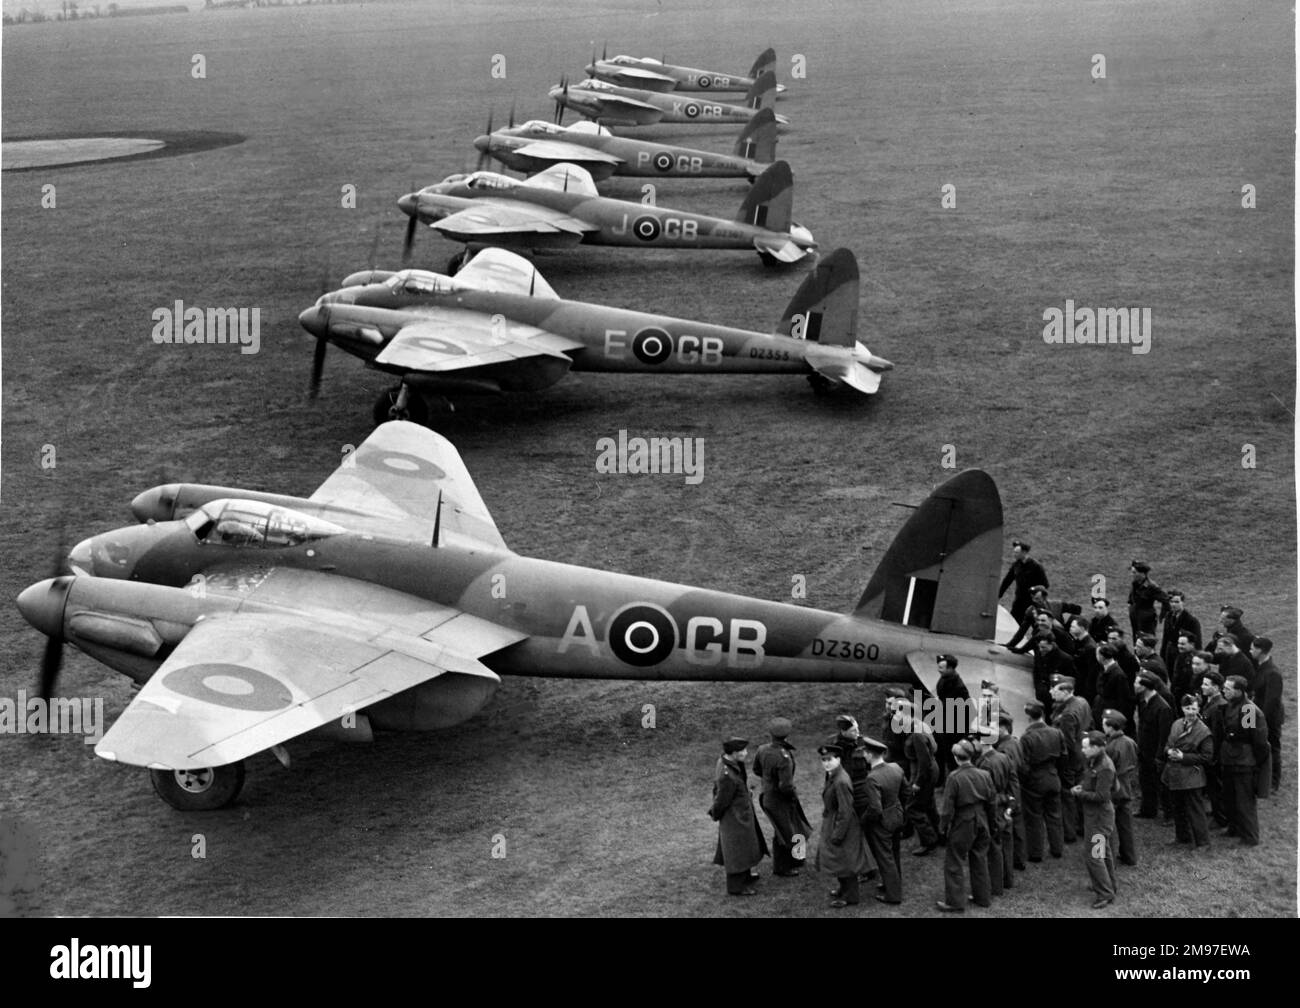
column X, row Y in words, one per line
column 155, row 504
column 880, row 364
column 82, row 559
column 409, row 204
column 42, row 604
column 312, row 320
column 482, row 143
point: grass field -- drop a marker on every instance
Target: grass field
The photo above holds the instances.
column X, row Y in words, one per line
column 1123, row 191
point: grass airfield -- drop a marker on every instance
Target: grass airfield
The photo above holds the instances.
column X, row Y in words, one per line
column 1124, row 191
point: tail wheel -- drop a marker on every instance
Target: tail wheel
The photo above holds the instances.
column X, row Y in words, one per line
column 821, row 385
column 199, row 790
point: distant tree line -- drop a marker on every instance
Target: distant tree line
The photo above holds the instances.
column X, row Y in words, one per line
column 70, row 10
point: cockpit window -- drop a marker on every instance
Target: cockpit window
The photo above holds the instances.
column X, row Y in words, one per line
column 256, row 523
column 489, row 180
column 458, row 177
column 418, row 282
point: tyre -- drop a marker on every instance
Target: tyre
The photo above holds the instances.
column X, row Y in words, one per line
column 199, row 790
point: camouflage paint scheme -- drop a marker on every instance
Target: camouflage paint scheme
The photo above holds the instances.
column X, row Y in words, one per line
column 253, row 618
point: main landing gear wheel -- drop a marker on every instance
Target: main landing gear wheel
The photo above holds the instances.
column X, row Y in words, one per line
column 199, row 790
column 398, row 404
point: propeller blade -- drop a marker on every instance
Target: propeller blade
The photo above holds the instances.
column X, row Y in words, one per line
column 374, row 247
column 52, row 658
column 410, row 239
column 604, row 52
column 483, row 157
column 318, row 365
column 512, row 113
column 592, row 71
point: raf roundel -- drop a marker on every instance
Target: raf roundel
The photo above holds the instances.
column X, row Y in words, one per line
column 642, row 635
column 398, row 463
column 652, row 346
column 692, row 110
column 646, row 228
column 663, row 161
column 706, row 81
column 229, row 686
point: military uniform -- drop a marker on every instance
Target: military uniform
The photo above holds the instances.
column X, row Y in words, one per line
column 740, row 842
column 1123, row 753
column 774, row 765
column 969, row 802
column 1243, row 750
column 1044, row 748
column 923, row 774
column 1154, row 721
column 1142, row 599
column 1268, row 697
column 1114, row 692
column 1073, row 717
column 883, row 822
column 1001, row 770
column 1098, row 785
column 1183, row 623
column 1185, row 779
column 1212, row 711
column 1009, row 746
column 949, row 688
column 1025, row 573
column 841, row 848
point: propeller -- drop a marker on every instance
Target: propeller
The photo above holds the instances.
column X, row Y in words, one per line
column 512, row 113
column 409, row 241
column 318, row 356
column 591, row 71
column 52, row 658
column 562, row 100
column 484, row 157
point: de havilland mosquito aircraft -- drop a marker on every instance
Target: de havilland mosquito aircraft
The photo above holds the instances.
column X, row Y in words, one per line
column 498, row 326
column 560, row 207
column 656, row 75
column 537, row 145
column 388, row 600
column 620, row 106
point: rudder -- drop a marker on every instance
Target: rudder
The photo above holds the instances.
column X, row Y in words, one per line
column 766, row 61
column 770, row 202
column 757, row 140
column 762, row 93
column 941, row 571
column 825, row 307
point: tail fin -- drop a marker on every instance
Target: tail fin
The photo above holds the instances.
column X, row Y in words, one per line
column 771, row 201
column 941, row 571
column 825, row 307
column 762, row 93
column 757, row 140
column 766, row 61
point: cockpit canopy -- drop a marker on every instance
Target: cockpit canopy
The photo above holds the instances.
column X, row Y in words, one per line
column 414, row 281
column 256, row 523
column 539, row 127
column 481, row 180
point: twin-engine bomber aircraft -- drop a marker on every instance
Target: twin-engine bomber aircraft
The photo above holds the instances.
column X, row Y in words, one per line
column 388, row 600
column 498, row 326
column 656, row 75
column 560, row 207
column 622, row 106
column 537, row 144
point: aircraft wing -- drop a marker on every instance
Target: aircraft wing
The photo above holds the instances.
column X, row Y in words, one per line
column 638, row 78
column 490, row 218
column 450, row 339
column 241, row 683
column 396, row 479
column 558, row 150
column 569, row 178
column 610, row 106
column 502, row 271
